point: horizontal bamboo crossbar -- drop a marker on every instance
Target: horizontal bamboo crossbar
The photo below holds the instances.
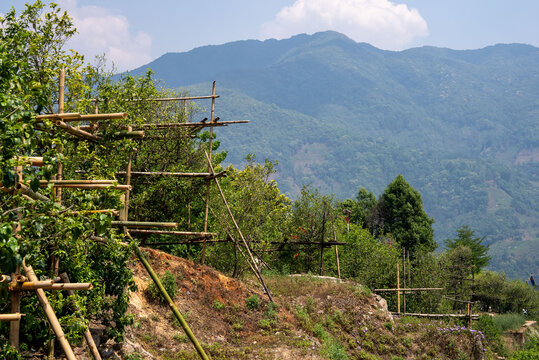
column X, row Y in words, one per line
column 33, row 160
column 179, row 174
column 11, row 317
column 78, row 117
column 179, row 233
column 188, row 125
column 75, row 182
column 185, row 242
column 25, row 190
column 91, row 186
column 61, row 286
column 102, row 211
column 473, row 316
column 186, row 98
column 144, row 224
column 409, row 289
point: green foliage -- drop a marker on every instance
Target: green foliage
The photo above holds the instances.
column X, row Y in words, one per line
column 217, row 305
column 486, row 325
column 169, row 283
column 252, row 302
column 502, row 296
column 400, row 213
column 479, row 252
column 529, row 352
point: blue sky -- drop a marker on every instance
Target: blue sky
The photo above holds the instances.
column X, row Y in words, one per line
column 132, row 33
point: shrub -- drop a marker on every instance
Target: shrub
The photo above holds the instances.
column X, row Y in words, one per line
column 218, row 305
column 530, row 351
column 169, row 283
column 252, row 302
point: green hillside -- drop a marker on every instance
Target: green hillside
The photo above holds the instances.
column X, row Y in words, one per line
column 461, row 126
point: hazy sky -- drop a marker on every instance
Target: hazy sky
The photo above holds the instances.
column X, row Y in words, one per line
column 132, row 32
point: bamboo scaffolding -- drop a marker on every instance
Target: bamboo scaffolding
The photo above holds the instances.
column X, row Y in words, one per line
column 179, row 174
column 103, row 211
column 87, row 334
column 11, row 317
column 50, row 314
column 256, row 271
column 44, row 183
column 144, row 224
column 179, row 233
column 201, row 97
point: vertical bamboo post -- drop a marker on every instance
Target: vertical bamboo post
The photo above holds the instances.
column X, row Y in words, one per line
column 404, row 278
column 53, row 320
column 14, row 326
column 336, row 252
column 127, row 182
column 171, row 304
column 398, row 291
column 185, row 110
column 322, row 241
column 469, row 317
column 87, row 334
column 55, row 264
column 61, row 92
column 203, row 257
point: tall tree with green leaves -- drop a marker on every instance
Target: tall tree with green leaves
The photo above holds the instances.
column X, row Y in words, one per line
column 466, row 237
column 400, row 213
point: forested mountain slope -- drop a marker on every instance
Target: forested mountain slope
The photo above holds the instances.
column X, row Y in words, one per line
column 461, row 126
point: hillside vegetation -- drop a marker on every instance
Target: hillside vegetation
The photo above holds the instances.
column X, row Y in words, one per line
column 461, row 126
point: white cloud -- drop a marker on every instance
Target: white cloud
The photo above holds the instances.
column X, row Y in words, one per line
column 102, row 32
column 381, row 23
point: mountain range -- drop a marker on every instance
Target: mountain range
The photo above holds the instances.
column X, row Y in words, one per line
column 460, row 125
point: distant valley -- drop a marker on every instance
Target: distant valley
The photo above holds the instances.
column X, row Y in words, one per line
column 461, row 126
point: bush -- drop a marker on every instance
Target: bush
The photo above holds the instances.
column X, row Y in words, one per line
column 169, row 283
column 252, row 302
column 492, row 333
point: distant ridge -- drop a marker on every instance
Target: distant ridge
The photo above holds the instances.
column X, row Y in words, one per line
column 462, row 126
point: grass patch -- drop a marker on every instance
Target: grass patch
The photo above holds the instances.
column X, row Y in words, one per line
column 506, row 322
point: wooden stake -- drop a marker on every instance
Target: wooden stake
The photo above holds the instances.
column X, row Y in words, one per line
column 404, row 278
column 128, row 183
column 14, row 326
column 11, row 317
column 50, row 314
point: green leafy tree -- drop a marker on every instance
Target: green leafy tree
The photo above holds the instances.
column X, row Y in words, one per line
column 400, row 213
column 466, row 237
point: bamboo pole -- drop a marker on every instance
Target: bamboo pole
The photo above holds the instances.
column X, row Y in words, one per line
column 151, row 126
column 60, row 170
column 171, row 304
column 186, row 242
column 179, row 174
column 408, row 289
column 179, row 233
column 210, row 169
column 398, row 291
column 404, row 278
column 92, row 186
column 53, row 286
column 253, row 266
column 87, row 334
column 128, row 182
column 102, row 211
column 336, row 252
column 30, row 193
column 473, row 317
column 77, row 132
column 144, row 224
column 11, row 317
column 50, row 314
column 44, row 183
column 322, row 241
column 67, row 117
column 33, row 160
column 14, row 326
